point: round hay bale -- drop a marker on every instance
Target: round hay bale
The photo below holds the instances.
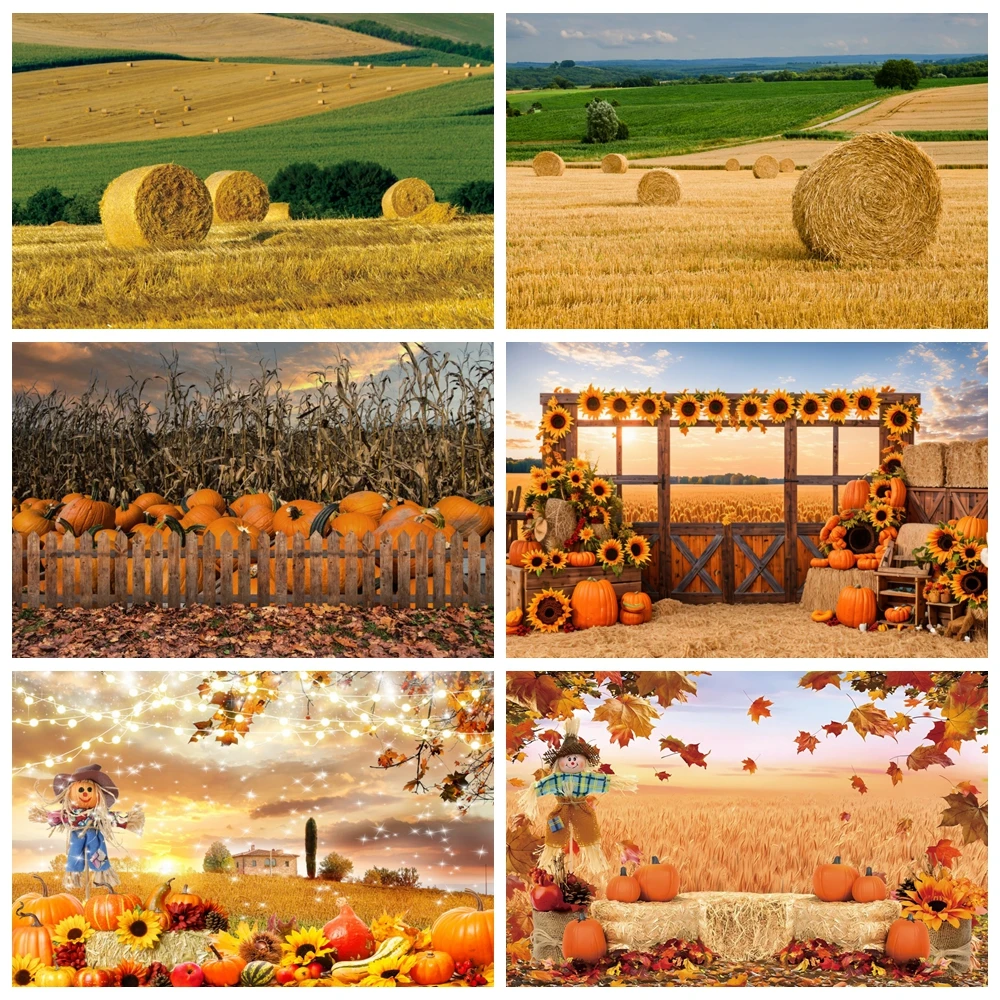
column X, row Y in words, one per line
column 163, row 206
column 732, row 163
column 237, row 196
column 277, row 210
column 787, row 165
column 876, row 198
column 354, row 76
column 659, row 187
column 321, row 101
column 469, row 73
column 548, row 164
column 407, row 197
column 766, row 167
column 614, row 163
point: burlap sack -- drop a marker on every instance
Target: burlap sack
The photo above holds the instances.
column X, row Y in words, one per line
column 547, row 935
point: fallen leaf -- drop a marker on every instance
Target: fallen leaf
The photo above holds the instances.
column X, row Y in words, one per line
column 668, row 686
column 522, row 846
column 835, row 728
column 919, row 679
column 895, row 772
column 964, row 709
column 867, row 719
column 845, row 817
column 662, row 775
column 626, row 717
column 819, row 679
column 857, row 783
column 519, row 736
column 943, row 853
column 806, row 741
column 901, row 723
column 968, row 787
column 691, row 755
column 611, row 676
column 605, row 769
column 760, row 709
column 517, row 783
column 966, row 812
column 749, row 765
column 925, row 756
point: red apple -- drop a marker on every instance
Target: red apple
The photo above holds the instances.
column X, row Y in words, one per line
column 315, row 970
column 187, row 974
column 285, row 974
column 545, row 897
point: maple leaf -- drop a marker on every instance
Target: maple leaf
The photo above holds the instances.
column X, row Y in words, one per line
column 551, row 736
column 672, row 744
column 517, row 783
column 966, row 812
column 968, row 787
column 943, row 853
column 750, row 765
column 835, row 728
column 919, row 679
column 924, row 756
column 227, row 738
column 389, row 757
column 859, row 784
column 904, row 826
column 895, row 772
column 963, row 709
column 818, row 679
column 611, row 676
column 605, row 769
column 662, row 775
column 522, row 846
column 627, row 717
column 668, row 686
column 901, row 723
column 692, row 755
column 519, row 735
column 630, row 853
column 937, row 737
column 844, row 817
column 806, row 741
column 534, row 691
column 761, row 708
column 869, row 719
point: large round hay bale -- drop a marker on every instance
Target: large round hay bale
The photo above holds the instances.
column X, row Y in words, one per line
column 548, row 164
column 787, row 165
column 659, row 187
column 876, row 198
column 614, row 163
column 238, row 196
column 732, row 163
column 407, row 197
column 162, row 206
column 766, row 167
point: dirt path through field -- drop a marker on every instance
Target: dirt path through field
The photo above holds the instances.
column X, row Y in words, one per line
column 949, row 108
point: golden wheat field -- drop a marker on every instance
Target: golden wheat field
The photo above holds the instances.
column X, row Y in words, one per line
column 699, row 502
column 773, row 842
column 257, row 897
column 332, row 273
column 582, row 253
column 941, row 108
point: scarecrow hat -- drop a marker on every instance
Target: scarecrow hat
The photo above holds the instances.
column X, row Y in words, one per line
column 572, row 744
column 89, row 772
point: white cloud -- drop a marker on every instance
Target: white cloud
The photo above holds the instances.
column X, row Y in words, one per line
column 520, row 29
column 662, row 354
column 968, row 22
column 839, row 45
column 950, row 43
column 611, row 356
column 520, row 420
column 939, row 368
column 786, row 380
column 618, row 38
column 572, row 34
column 956, row 414
column 522, row 444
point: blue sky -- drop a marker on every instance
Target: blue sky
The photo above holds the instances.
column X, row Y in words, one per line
column 951, row 378
column 544, row 37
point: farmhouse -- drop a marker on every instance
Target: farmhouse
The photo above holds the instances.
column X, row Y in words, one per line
column 258, row 861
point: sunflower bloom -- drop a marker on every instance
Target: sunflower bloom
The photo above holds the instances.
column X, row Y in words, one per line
column 535, row 561
column 554, row 472
column 129, row 973
column 543, row 486
column 72, row 929
column 971, row 585
column 139, row 929
column 970, row 552
column 575, row 477
column 601, row 489
column 892, row 463
column 24, row 970
column 619, row 405
column 809, row 408
column 779, row 406
column 880, row 516
column 647, row 406
column 898, row 419
column 556, row 423
column 303, row 945
column 638, row 550
column 750, row 409
column 715, row 406
column 936, row 901
column 611, row 553
column 880, row 489
column 586, row 534
column 591, row 402
column 390, row 972
column 548, row 611
column 838, row 405
column 865, row 403
column 688, row 410
column 557, row 560
column 538, row 473
column 942, row 543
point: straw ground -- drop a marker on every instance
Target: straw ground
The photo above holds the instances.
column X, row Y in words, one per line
column 727, row 256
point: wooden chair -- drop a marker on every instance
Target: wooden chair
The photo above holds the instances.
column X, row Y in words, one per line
column 899, row 580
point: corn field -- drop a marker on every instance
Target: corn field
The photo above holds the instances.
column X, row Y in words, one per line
column 425, row 435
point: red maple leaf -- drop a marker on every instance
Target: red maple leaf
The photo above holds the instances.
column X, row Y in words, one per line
column 845, row 817
column 942, row 853
column 919, row 679
column 859, row 784
column 761, row 708
column 835, row 728
column 612, row 676
column 806, row 741
column 895, row 772
column 692, row 755
column 605, row 769
column 750, row 765
column 968, row 787
column 551, row 736
column 818, row 679
column 662, row 775
column 924, row 756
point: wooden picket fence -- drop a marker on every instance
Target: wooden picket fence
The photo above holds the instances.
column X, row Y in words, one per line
column 334, row 570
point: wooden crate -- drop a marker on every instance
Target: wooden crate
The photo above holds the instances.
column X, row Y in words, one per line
column 939, row 614
column 522, row 585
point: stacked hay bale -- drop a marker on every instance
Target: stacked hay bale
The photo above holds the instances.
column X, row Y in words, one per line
column 548, row 164
column 614, row 163
column 732, row 163
column 238, row 196
column 406, row 198
column 659, row 187
column 924, row 464
column 965, row 464
column 766, row 167
column 645, row 926
column 852, row 926
column 875, row 198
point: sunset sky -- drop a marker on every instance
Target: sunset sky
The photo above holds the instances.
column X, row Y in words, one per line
column 951, row 378
column 195, row 794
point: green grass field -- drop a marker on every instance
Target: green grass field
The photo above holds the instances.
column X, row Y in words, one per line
column 681, row 119
column 28, row 56
column 423, row 134
column 477, row 28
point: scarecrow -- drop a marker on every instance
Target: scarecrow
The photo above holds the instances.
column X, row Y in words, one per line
column 82, row 806
column 571, row 828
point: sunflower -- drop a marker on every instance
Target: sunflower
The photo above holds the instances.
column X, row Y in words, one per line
column 942, row 543
column 591, row 402
column 750, row 409
column 129, row 973
column 556, row 423
column 575, row 477
column 665, row 404
column 880, row 489
column 881, row 516
column 688, row 409
column 539, row 472
column 838, row 405
column 865, row 402
column 557, row 560
column 970, row 584
column 303, row 945
column 647, row 406
column 600, row 489
column 970, row 551
column 72, row 929
column 548, row 610
column 779, row 406
column 638, row 550
column 715, row 407
column 534, row 561
column 611, row 553
column 232, row 940
column 619, row 405
column 24, row 970
column 892, row 463
column 578, row 463
column 936, row 901
column 139, row 929
column 555, row 471
column 586, row 534
column 543, row 486
column 809, row 408
column 898, row 419
column 390, row 971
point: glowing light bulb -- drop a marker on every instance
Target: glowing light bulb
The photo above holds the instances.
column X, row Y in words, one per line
column 85, row 745
column 355, row 733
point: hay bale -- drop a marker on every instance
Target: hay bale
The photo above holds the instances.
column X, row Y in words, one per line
column 321, row 101
column 982, row 454
column 746, row 926
column 403, row 65
column 644, row 926
column 823, row 587
column 217, row 59
column 465, row 65
column 437, row 213
column 447, row 72
column 547, row 934
column 231, row 118
column 732, row 163
column 277, row 210
column 388, row 88
column 659, row 187
column 237, row 196
column 766, row 167
column 104, row 949
column 787, row 165
column 406, row 198
column 924, row 464
column 357, row 64
column 433, row 65
column 129, row 65
column 853, row 926
column 469, row 73
column 354, row 76
column 175, row 90
column 548, row 164
column 161, row 206
column 187, row 107
column 962, row 465
column 876, row 198
column 46, row 138
column 369, row 66
column 614, row 163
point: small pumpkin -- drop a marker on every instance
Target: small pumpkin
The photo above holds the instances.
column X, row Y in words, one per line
column 157, row 903
column 581, row 558
column 185, row 896
column 868, row 888
column 856, row 606
column 584, row 939
column 819, row 563
column 224, row 970
column 102, row 910
column 842, row 559
column 658, row 883
column 972, row 527
column 515, row 617
column 363, row 502
column 432, row 968
column 242, row 504
column 84, row 513
column 33, row 939
column 146, row 500
column 821, row 615
column 834, row 883
column 623, row 887
column 519, row 548
column 465, row 933
column 56, row 976
column 907, row 940
column 594, row 603
column 350, row 935
column 210, row 497
column 28, row 522
column 636, row 602
column 898, row 615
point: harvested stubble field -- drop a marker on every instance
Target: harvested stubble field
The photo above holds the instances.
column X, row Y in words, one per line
column 351, row 273
column 954, row 108
column 582, row 253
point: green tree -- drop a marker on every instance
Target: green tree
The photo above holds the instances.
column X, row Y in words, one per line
column 218, row 859
column 44, row 207
column 602, row 122
column 398, row 878
column 335, row 867
column 311, row 838
column 902, row 73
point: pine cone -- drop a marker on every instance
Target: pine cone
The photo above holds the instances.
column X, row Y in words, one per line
column 262, row 947
column 187, row 916
column 575, row 891
column 163, row 979
column 73, row 953
column 216, row 920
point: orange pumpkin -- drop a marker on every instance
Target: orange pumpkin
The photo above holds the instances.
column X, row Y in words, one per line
column 821, row 615
column 855, row 494
column 432, row 968
column 584, row 939
column 521, row 547
column 161, row 511
column 623, row 887
column 581, row 558
column 891, row 491
column 465, row 515
column 33, row 940
column 296, row 518
column 842, row 559
column 235, row 528
column 360, row 524
column 972, row 527
column 834, row 883
column 636, row 602
column 260, row 517
column 465, row 933
column 200, row 516
column 147, row 500
column 27, row 522
column 103, row 910
column 898, row 615
column 128, row 515
column 84, row 513
column 868, row 888
column 856, row 606
column 658, row 883
column 225, row 970
column 50, row 910
column 242, row 504
column 594, row 603
column 93, row 977
column 907, row 940
column 819, row 563
column 210, row 497
column 364, row 502
column 185, row 896
column 396, row 513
